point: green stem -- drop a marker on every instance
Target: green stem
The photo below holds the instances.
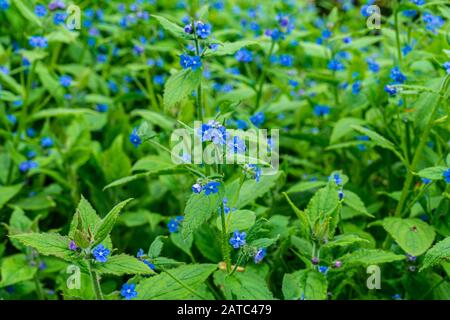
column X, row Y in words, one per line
column 419, row 151
column 37, row 283
column 397, row 34
column 150, row 87
column 95, row 282
column 225, row 247
column 198, row 100
column 263, row 76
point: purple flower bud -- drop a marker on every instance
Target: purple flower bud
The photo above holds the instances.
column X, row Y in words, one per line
column 338, row 264
column 411, row 258
column 72, row 245
column 341, row 195
column 315, row 261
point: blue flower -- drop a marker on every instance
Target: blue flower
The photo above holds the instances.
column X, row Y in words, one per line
column 356, row 87
column 211, row 187
column 426, row 180
column 259, row 255
column 140, row 253
column 101, row 253
column 321, row 110
column 373, row 65
column 238, row 239
column 40, row 10
column 391, row 90
column 258, row 118
column 213, row 131
column 432, row 23
column 38, row 42
column 12, row 119
column 409, row 13
column 323, row 269
column 196, row 63
column 59, row 18
column 254, row 170
column 275, row 34
column 135, row 139
column 187, row 62
column 138, row 50
column 101, row 107
column 4, row 4
column 203, row 29
column 197, row 188
column 447, row 66
column 397, row 297
column 244, row 55
column 188, row 29
column 174, row 224
column 397, row 76
column 128, row 291
column 236, row 145
column 46, row 142
column 418, row 2
column 340, row 195
column 241, row 124
column 335, row 65
column 286, row 60
column 55, row 5
column 149, row 264
column 337, row 179
column 65, row 81
column 446, row 175
column 27, row 165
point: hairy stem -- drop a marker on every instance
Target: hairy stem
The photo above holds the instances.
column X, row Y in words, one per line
column 95, row 282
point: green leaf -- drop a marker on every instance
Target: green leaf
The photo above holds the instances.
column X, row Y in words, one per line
column 108, row 222
column 49, row 82
column 199, row 209
column 433, row 173
column 413, row 235
column 229, row 48
column 155, row 165
column 164, row 287
column 173, row 28
column 237, row 220
column 61, row 112
column 305, row 226
column 367, row 257
column 115, row 163
column 305, row 284
column 354, row 201
column 180, row 85
column 344, row 240
column 316, row 50
column 11, row 83
column 305, row 186
column 246, row 285
column 14, row 269
column 36, row 203
column 122, row 264
column 156, row 247
column 378, row 139
column 27, row 13
column 343, row 127
column 155, row 118
column 439, row 253
column 47, row 244
column 323, row 203
column 8, row 192
column 88, row 218
column 251, row 189
column 362, row 42
column 184, row 244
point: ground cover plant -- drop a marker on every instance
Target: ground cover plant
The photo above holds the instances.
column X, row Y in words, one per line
column 103, row 197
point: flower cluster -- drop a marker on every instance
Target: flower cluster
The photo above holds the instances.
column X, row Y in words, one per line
column 174, row 224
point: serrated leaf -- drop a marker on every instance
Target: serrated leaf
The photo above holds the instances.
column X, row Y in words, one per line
column 156, row 247
column 323, row 203
column 171, row 27
column 246, row 285
column 354, row 201
column 378, row 139
column 305, row 226
column 15, row 269
column 47, row 244
column 237, row 220
column 199, row 209
column 229, row 48
column 305, row 285
column 164, row 287
column 122, row 264
column 413, row 235
column 181, row 243
column 439, row 253
column 367, row 257
column 8, row 192
column 344, row 240
column 107, row 223
column 180, row 85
